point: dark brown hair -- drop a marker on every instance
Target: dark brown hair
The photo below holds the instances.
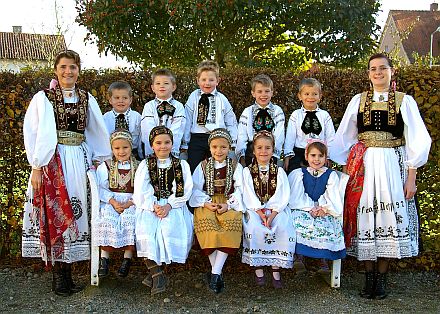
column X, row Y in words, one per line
column 321, row 147
column 380, row 56
column 69, row 54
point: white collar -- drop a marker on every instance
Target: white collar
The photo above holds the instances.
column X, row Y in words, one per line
column 124, row 113
column 218, row 165
column 159, row 101
column 307, row 110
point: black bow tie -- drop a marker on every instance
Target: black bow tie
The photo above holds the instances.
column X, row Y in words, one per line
column 311, row 123
column 203, row 108
column 263, row 120
column 120, row 122
column 165, row 108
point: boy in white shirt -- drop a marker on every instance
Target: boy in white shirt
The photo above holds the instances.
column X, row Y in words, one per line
column 163, row 110
column 120, row 97
column 262, row 115
column 206, row 109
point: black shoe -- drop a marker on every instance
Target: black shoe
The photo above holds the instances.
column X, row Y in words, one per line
column 74, row 288
column 381, row 286
column 213, row 283
column 368, row 289
column 220, row 283
column 59, row 283
column 125, row 267
column 103, row 267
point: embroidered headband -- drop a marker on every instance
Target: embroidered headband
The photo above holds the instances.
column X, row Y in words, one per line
column 159, row 130
column 121, row 134
column 265, row 134
column 220, row 132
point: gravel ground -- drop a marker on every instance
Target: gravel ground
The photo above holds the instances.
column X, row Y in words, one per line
column 26, row 289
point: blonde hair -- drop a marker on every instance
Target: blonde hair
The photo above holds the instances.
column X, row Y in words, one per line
column 309, row 81
column 262, row 79
column 119, row 85
column 164, row 72
column 208, row 65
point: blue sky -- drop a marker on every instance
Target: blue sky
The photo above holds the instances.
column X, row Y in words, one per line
column 40, row 16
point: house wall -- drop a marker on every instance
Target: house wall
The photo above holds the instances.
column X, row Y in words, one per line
column 390, row 41
column 15, row 65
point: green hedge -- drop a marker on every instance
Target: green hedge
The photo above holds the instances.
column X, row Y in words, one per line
column 16, row 91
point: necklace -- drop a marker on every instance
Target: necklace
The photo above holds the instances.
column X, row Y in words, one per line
column 68, row 92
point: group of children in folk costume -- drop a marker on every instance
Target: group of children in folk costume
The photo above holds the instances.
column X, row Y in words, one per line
column 276, row 220
column 218, row 188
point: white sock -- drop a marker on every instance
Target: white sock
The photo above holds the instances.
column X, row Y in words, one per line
column 276, row 275
column 259, row 272
column 219, row 262
column 105, row 254
column 128, row 254
column 212, row 257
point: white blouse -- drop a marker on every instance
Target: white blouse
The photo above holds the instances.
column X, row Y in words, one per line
column 143, row 195
column 277, row 202
column 40, row 132
column 331, row 200
column 417, row 139
column 199, row 196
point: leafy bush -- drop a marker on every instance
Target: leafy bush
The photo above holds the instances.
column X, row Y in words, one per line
column 16, row 91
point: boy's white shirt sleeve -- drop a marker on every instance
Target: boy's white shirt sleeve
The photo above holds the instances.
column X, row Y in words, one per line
column 278, row 131
column 291, row 134
column 175, row 201
column 105, row 195
column 189, row 114
column 149, row 120
column 199, row 196
column 177, row 126
column 143, row 195
column 243, row 137
column 230, row 119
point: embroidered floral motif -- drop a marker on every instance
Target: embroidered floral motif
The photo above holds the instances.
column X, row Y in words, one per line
column 264, row 190
column 269, row 238
column 162, row 179
column 210, row 176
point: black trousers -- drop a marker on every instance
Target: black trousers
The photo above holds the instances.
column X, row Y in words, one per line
column 198, row 150
column 298, row 160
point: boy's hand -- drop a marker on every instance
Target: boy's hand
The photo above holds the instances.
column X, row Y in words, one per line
column 286, row 163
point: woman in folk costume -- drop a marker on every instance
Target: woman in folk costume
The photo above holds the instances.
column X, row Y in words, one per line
column 217, row 196
column 381, row 142
column 164, row 225
column 63, row 132
column 268, row 234
column 317, row 206
column 116, row 221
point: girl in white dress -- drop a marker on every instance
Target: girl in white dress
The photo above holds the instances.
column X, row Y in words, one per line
column 381, row 141
column 63, row 132
column 217, row 196
column 268, row 234
column 115, row 224
column 164, row 225
column 317, row 206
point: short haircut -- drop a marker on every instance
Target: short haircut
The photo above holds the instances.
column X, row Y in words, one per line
column 119, row 85
column 163, row 72
column 69, row 54
column 309, row 81
column 321, row 147
column 380, row 55
column 208, row 65
column 262, row 79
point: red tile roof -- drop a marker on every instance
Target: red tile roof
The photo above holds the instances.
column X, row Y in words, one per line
column 421, row 24
column 24, row 46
